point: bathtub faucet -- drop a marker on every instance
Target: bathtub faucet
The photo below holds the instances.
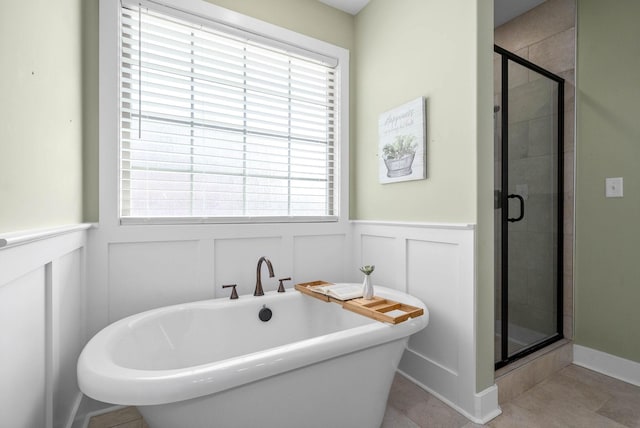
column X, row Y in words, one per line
column 258, row 291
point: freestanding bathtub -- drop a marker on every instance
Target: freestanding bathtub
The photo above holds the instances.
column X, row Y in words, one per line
column 214, row 363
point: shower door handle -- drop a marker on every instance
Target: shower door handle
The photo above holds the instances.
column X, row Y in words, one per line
column 521, row 199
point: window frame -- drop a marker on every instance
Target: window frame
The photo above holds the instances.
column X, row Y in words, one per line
column 109, row 104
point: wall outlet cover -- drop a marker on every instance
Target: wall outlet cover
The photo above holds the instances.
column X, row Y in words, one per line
column 613, row 187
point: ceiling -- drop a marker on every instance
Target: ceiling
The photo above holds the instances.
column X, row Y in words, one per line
column 349, row 6
column 504, row 10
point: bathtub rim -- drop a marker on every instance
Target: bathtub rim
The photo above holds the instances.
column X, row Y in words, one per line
column 102, row 379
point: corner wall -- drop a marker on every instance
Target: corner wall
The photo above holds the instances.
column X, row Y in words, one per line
column 409, row 49
column 41, row 110
column 608, row 135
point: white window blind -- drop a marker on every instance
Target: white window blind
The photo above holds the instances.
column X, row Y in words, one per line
column 217, row 125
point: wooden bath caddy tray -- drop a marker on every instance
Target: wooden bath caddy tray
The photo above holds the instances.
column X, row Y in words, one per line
column 380, row 309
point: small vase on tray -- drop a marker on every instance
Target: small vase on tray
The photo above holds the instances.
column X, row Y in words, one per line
column 367, row 287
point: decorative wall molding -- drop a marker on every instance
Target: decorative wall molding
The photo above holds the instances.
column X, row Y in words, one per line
column 42, row 325
column 455, row 226
column 610, row 365
column 26, row 236
column 139, row 267
column 436, row 263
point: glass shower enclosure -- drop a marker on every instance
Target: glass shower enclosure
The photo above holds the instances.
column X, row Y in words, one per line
column 528, row 125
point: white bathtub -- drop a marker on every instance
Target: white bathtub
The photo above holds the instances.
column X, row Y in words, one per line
column 215, row 364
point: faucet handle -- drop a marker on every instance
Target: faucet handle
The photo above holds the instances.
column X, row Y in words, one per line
column 234, row 293
column 281, row 286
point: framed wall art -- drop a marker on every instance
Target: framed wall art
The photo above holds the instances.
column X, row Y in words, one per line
column 402, row 143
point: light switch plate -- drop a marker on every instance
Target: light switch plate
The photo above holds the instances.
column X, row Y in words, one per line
column 613, row 187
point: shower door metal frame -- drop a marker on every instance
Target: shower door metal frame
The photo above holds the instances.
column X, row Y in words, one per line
column 505, row 359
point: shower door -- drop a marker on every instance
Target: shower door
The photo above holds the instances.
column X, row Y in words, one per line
column 528, row 201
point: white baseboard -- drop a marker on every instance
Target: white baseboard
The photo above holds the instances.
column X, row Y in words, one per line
column 486, row 402
column 610, row 365
column 486, row 405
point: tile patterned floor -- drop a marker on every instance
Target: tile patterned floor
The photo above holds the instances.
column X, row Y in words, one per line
column 573, row 397
column 128, row 417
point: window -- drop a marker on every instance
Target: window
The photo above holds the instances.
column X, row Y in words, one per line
column 218, row 124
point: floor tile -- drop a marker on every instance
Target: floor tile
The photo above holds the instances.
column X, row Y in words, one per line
column 395, row 419
column 117, row 418
column 624, row 409
column 421, row 407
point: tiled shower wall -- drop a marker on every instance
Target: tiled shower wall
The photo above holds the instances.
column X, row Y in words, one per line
column 546, row 36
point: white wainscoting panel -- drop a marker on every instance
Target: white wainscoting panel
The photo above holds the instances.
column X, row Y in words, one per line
column 320, row 257
column 384, row 254
column 140, row 267
column 435, row 263
column 236, row 262
column 42, row 326
column 147, row 275
column 22, row 347
column 68, row 332
column 432, row 276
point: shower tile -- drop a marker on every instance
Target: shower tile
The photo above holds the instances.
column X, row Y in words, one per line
column 518, row 75
column 518, row 140
column 538, row 173
column 568, row 255
column 539, row 256
column 551, row 17
column 517, row 169
column 569, row 89
column 514, row 384
column 518, row 285
column 541, row 138
column 568, row 171
column 567, row 326
column 555, row 53
column 540, row 209
column 567, row 295
column 569, row 129
column 533, row 370
column 518, row 249
column 568, row 213
column 541, row 290
column 530, row 101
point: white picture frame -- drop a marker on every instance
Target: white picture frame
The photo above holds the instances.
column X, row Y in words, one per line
column 402, row 143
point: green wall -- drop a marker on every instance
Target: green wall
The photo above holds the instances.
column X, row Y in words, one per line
column 407, row 49
column 41, row 110
column 444, row 52
column 485, row 284
column 607, row 268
